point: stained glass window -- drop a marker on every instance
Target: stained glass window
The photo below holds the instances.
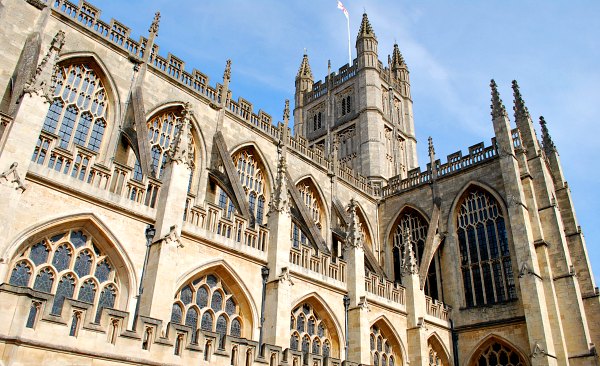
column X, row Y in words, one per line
column 252, row 177
column 485, row 258
column 106, row 300
column 102, row 271
column 294, row 341
column 62, row 258
column 64, row 290
column 191, row 320
column 44, row 280
column 437, row 356
column 316, row 346
column 221, row 328
column 202, row 297
column 39, row 253
column 230, row 308
column 500, row 354
column 78, row 239
column 87, row 291
column 306, row 329
column 216, row 303
column 83, row 263
column 186, row 295
column 381, row 350
column 326, row 349
column 211, row 280
column 207, row 320
column 176, row 314
column 236, row 328
column 20, row 274
column 311, row 326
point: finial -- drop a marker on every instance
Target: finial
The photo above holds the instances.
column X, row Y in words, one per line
column 286, row 113
column 354, row 235
column 409, row 262
column 181, row 150
column 397, row 59
column 431, row 148
column 498, row 109
column 280, row 202
column 547, row 142
column 328, row 67
column 154, row 26
column 304, row 70
column 365, row 27
column 520, row 108
column 227, row 72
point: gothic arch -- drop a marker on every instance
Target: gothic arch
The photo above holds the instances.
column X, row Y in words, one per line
column 105, row 239
column 436, row 342
column 391, row 225
column 320, row 305
column 270, row 178
column 386, row 325
column 460, row 194
column 369, row 228
column 321, row 197
column 234, row 282
column 488, row 341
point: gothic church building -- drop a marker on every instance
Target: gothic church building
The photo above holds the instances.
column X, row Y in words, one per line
column 147, row 218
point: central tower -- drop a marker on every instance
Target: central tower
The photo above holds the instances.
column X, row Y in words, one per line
column 362, row 114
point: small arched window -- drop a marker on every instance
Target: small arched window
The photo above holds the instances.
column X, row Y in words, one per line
column 311, row 329
column 382, row 350
column 252, row 177
column 496, row 353
column 485, row 256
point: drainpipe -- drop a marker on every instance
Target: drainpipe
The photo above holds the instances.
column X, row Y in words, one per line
column 346, row 306
column 454, row 342
column 265, row 274
column 150, row 232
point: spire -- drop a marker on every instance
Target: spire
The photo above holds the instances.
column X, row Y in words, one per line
column 227, row 72
column 520, row 108
column 409, row 262
column 45, row 74
column 286, row 112
column 498, row 109
column 354, row 236
column 155, row 23
column 365, row 28
column 280, row 202
column 432, row 158
column 547, row 142
column 397, row 59
column 181, row 150
column 304, row 71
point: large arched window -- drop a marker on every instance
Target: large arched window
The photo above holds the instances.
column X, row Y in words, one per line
column 309, row 333
column 436, row 354
column 383, row 351
column 412, row 225
column 485, row 257
column 76, row 117
column 253, row 178
column 68, row 264
column 494, row 353
column 162, row 130
column 206, row 303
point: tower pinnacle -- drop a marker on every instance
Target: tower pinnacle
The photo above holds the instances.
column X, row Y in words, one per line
column 397, row 59
column 498, row 109
column 520, row 108
column 547, row 142
column 365, row 29
column 304, row 70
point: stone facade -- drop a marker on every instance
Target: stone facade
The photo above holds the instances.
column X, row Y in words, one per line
column 149, row 219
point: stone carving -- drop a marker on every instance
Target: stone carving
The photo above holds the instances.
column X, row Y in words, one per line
column 280, row 201
column 181, row 150
column 409, row 262
column 354, row 238
column 285, row 276
column 15, row 175
column 227, row 72
column 172, row 237
column 363, row 304
column 521, row 111
column 538, row 351
column 526, row 271
column 155, row 23
column 45, row 75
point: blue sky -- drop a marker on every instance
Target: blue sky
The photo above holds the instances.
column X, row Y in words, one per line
column 452, row 49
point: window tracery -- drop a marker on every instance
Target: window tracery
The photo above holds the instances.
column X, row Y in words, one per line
column 436, row 356
column 78, row 113
column 308, row 332
column 221, row 314
column 485, row 256
column 415, row 227
column 162, row 130
column 252, row 177
column 382, row 351
column 69, row 265
column 499, row 354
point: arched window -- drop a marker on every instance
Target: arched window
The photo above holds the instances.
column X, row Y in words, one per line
column 208, row 299
column 412, row 224
column 383, row 352
column 436, row 354
column 69, row 265
column 79, row 108
column 311, row 329
column 162, row 131
column 252, row 176
column 485, row 257
column 496, row 353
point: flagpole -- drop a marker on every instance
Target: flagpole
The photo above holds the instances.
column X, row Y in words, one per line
column 349, row 47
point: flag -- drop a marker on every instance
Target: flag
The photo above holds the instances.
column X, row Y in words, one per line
column 342, row 8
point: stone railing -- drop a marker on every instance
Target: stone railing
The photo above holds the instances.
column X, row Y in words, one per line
column 214, row 219
column 319, row 263
column 478, row 153
column 384, row 288
column 319, row 88
column 81, row 163
column 436, row 308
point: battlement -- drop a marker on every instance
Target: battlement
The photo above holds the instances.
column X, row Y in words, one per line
column 344, row 74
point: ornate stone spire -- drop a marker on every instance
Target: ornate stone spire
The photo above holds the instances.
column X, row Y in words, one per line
column 520, row 108
column 45, row 74
column 227, row 72
column 365, row 28
column 286, row 113
column 181, row 149
column 397, row 59
column 304, row 71
column 498, row 109
column 409, row 262
column 155, row 23
column 280, row 202
column 547, row 142
column 354, row 235
column 432, row 158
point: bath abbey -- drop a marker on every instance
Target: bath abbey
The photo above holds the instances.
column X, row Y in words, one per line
column 148, row 218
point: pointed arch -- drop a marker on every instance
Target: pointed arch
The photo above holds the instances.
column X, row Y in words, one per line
column 234, row 282
column 407, row 206
column 263, row 159
column 309, row 181
column 367, row 228
column 78, row 233
column 392, row 334
column 327, row 315
column 493, row 343
column 436, row 344
column 460, row 194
